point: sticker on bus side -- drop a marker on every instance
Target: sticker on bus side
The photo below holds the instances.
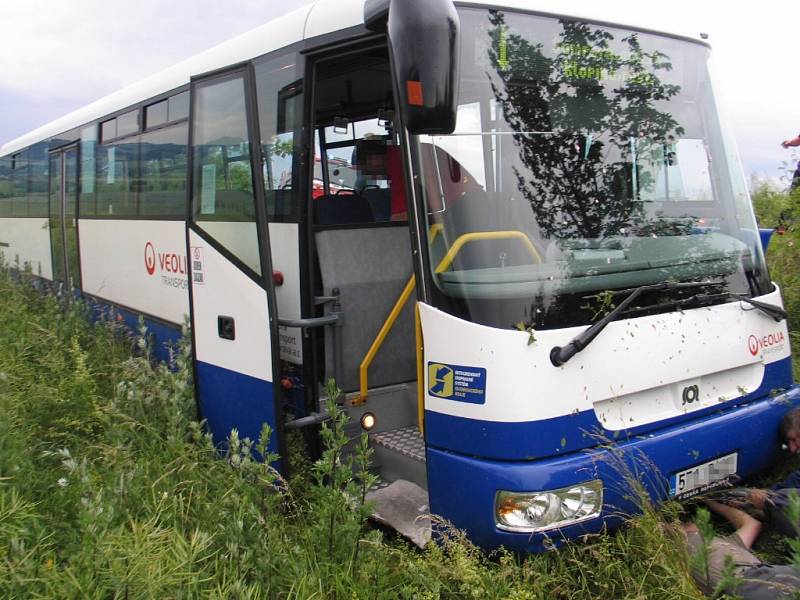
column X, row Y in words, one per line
column 455, row 382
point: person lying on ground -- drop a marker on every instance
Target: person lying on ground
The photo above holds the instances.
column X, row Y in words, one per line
column 775, row 502
column 747, row 576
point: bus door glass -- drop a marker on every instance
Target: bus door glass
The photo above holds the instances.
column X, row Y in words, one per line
column 232, row 296
column 63, row 217
column 279, row 90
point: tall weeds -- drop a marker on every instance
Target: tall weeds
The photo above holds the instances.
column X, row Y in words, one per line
column 109, row 488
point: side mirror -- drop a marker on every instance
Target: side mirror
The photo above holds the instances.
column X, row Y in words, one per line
column 424, row 41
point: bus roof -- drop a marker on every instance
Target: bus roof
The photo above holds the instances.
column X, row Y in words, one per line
column 318, row 18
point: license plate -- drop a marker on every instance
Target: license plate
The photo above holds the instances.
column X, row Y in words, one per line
column 701, row 478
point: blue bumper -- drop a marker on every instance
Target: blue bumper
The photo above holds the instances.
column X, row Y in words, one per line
column 462, row 488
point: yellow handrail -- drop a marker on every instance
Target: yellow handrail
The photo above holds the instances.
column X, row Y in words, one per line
column 445, row 263
column 476, row 236
column 435, row 230
column 378, row 341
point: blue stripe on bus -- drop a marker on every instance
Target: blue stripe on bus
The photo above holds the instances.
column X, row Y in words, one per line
column 561, row 435
column 163, row 336
column 463, row 487
column 231, row 400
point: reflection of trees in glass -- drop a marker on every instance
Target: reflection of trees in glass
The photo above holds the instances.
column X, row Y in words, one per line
column 573, row 185
column 232, row 168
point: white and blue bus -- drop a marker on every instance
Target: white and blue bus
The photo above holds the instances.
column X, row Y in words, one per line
column 521, row 242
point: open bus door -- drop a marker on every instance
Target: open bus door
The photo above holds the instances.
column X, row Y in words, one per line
column 232, row 298
column 63, row 228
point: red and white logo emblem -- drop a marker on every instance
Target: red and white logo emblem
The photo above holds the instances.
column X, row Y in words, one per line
column 149, row 258
column 756, row 344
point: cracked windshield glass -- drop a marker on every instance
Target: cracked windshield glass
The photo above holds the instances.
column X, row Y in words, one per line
column 587, row 160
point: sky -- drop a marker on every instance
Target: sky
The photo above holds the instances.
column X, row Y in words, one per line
column 60, row 55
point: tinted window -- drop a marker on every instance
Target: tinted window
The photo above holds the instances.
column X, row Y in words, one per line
column 179, row 107
column 155, row 114
column 280, row 98
column 88, row 150
column 19, row 201
column 128, row 123
column 38, row 163
column 163, row 172
column 109, row 130
column 56, row 238
column 116, row 176
column 70, row 181
column 6, row 186
column 222, row 199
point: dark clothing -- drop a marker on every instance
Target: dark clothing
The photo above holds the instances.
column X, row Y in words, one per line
column 767, row 582
column 754, row 580
column 792, row 481
column 777, row 510
column 777, row 507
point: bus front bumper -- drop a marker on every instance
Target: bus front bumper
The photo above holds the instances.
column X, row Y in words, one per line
column 462, row 489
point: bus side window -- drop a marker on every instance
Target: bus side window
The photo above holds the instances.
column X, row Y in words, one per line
column 162, row 167
column 6, row 186
column 117, row 164
column 280, row 110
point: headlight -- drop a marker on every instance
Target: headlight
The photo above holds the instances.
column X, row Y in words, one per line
column 537, row 511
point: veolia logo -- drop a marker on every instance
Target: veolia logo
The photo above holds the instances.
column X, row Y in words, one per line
column 754, row 344
column 167, row 262
column 149, row 258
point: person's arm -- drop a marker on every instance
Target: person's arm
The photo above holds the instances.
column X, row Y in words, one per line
column 758, row 498
column 747, row 527
column 791, row 143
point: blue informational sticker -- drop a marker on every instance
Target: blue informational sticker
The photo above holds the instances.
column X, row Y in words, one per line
column 454, row 382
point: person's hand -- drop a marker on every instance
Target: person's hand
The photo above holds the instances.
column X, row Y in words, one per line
column 758, row 498
column 785, row 143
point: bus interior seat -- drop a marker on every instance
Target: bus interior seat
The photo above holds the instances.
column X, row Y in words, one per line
column 343, row 208
column 370, row 266
column 380, row 201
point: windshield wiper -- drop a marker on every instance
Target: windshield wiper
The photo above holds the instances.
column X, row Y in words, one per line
column 561, row 354
column 693, row 301
column 702, row 299
column 776, row 312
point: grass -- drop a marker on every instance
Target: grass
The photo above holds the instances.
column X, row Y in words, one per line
column 109, row 488
column 775, row 209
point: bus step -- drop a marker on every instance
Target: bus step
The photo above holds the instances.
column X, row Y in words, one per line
column 400, row 454
column 407, row 441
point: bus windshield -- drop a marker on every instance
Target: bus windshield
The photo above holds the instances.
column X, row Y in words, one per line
column 586, row 160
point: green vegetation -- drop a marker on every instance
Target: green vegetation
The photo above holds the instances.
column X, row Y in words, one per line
column 781, row 211
column 110, row 489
